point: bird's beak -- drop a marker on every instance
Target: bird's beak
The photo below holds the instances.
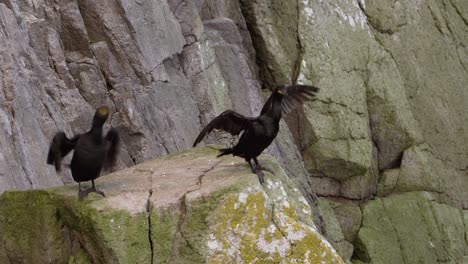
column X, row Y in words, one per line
column 283, row 91
column 103, row 111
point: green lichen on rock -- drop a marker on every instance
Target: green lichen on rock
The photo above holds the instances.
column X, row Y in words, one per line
column 163, row 230
column 46, row 227
column 411, row 228
column 266, row 225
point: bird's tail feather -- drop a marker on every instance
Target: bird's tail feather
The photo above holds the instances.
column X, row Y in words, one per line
column 225, row 151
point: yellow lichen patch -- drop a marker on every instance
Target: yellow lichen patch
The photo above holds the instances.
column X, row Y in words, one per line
column 242, row 220
column 309, row 245
column 291, row 212
column 249, row 228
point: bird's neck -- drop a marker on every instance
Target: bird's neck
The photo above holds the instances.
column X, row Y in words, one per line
column 275, row 111
column 97, row 128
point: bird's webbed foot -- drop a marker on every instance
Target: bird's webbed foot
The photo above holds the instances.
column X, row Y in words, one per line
column 93, row 189
column 259, row 167
column 82, row 194
column 261, row 176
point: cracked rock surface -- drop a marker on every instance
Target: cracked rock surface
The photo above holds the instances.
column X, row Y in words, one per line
column 391, row 117
column 189, row 207
column 165, row 68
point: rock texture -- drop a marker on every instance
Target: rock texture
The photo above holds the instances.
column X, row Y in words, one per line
column 378, row 84
column 204, row 210
column 165, row 67
column 411, row 228
column 391, row 117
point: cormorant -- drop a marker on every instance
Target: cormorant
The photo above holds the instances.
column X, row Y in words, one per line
column 259, row 132
column 92, row 151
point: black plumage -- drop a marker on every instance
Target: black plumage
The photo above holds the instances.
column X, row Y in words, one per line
column 92, row 151
column 259, row 132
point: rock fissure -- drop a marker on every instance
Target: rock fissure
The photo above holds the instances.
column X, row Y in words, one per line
column 148, row 215
column 465, row 20
column 200, row 178
column 183, row 209
column 329, row 102
column 46, row 107
column 318, row 218
column 375, row 37
column 464, row 225
column 396, row 235
column 364, row 199
column 183, row 213
column 300, row 50
column 22, row 158
column 431, row 232
column 283, row 234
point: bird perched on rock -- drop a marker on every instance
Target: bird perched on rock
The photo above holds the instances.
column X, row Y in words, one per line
column 259, row 132
column 92, row 151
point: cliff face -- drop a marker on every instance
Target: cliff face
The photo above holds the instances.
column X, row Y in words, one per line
column 160, row 68
column 393, row 79
column 391, row 120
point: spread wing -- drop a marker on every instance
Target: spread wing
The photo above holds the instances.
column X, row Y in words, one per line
column 113, row 147
column 59, row 148
column 228, row 121
column 297, row 95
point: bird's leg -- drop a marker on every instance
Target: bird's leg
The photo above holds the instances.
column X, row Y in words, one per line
column 260, row 167
column 81, row 193
column 93, row 189
column 255, row 170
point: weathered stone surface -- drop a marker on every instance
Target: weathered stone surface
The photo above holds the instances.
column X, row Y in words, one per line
column 273, row 25
column 411, row 228
column 427, row 40
column 349, row 216
column 391, row 117
column 204, row 210
column 381, row 89
column 164, row 67
column 333, row 230
column 392, row 124
column 422, row 171
column 387, row 182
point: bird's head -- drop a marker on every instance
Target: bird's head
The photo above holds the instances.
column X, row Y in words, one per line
column 280, row 89
column 102, row 113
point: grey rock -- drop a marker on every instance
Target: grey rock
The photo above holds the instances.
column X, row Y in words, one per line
column 411, row 228
column 421, row 170
column 165, row 68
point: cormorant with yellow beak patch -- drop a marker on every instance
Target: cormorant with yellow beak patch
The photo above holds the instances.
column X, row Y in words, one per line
column 92, row 151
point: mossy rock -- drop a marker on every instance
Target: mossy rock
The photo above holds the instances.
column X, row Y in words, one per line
column 411, row 228
column 190, row 207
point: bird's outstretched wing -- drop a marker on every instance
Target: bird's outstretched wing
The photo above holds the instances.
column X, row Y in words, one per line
column 228, row 121
column 297, row 95
column 59, row 148
column 113, row 143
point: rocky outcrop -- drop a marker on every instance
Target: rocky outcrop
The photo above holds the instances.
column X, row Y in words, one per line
column 202, row 210
column 390, row 118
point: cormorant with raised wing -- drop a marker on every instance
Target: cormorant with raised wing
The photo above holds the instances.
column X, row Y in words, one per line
column 259, row 132
column 92, row 151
